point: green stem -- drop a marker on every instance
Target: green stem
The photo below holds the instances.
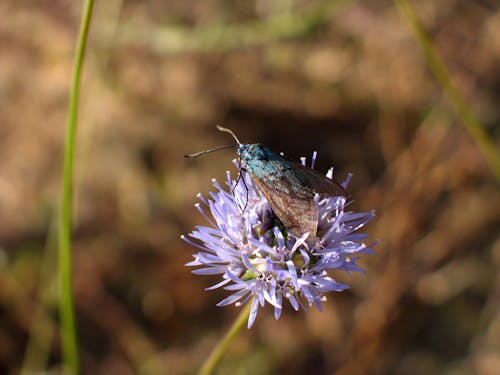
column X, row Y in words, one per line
column 470, row 121
column 216, row 355
column 66, row 306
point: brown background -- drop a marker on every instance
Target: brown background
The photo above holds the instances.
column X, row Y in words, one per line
column 345, row 78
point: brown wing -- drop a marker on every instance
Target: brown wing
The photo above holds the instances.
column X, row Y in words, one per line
column 298, row 213
column 290, row 190
column 321, row 184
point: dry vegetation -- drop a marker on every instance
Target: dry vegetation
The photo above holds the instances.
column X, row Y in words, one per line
column 345, row 78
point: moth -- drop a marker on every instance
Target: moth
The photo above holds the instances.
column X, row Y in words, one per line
column 289, row 186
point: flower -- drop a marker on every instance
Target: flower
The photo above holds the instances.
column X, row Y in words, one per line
column 260, row 261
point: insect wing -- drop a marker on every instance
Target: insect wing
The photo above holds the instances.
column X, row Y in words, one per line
column 290, row 194
column 321, row 184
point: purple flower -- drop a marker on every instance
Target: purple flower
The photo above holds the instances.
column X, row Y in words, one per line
column 260, row 261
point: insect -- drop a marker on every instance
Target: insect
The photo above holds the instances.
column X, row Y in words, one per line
column 288, row 186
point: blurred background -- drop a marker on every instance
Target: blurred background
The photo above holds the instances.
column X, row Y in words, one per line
column 345, row 78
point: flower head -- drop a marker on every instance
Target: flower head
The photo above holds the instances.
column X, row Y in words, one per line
column 260, row 261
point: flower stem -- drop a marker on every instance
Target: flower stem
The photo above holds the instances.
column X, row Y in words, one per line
column 66, row 306
column 216, row 355
column 470, row 121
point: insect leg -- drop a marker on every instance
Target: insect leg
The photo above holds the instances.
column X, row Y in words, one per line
column 246, row 188
column 240, row 177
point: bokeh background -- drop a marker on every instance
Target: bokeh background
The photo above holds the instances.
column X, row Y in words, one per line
column 345, row 78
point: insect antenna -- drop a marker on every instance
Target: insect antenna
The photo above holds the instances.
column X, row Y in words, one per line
column 241, row 169
column 222, row 129
column 195, row 155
